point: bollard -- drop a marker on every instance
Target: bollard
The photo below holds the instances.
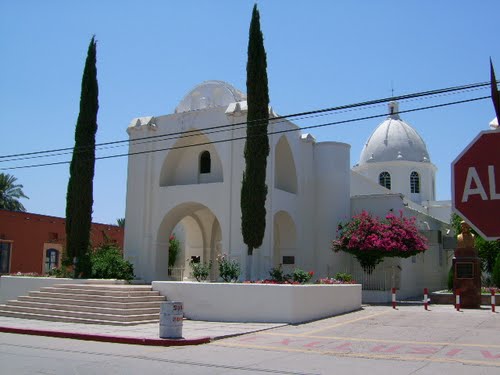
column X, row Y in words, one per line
column 493, row 302
column 457, row 299
column 171, row 316
column 426, row 299
column 393, row 298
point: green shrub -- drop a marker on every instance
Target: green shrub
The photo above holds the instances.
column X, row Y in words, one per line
column 345, row 277
column 60, row 272
column 495, row 275
column 301, row 276
column 276, row 274
column 450, row 278
column 229, row 270
column 107, row 263
column 200, row 271
column 174, row 247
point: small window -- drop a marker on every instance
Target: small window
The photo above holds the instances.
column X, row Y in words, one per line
column 288, row 260
column 384, row 179
column 51, row 259
column 414, row 182
column 205, row 162
column 5, row 248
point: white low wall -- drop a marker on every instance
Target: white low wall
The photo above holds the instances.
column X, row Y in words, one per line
column 377, row 296
column 12, row 287
column 228, row 302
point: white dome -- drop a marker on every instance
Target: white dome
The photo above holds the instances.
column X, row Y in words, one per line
column 210, row 94
column 394, row 140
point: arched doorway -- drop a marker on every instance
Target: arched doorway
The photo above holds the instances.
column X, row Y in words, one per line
column 199, row 233
column 285, row 237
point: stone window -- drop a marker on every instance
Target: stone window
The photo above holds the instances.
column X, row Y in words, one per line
column 384, row 179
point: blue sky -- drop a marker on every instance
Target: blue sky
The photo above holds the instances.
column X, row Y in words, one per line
column 151, row 53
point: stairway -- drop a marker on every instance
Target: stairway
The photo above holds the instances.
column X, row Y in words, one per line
column 93, row 304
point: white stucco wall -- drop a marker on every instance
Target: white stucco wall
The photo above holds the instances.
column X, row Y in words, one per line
column 226, row 302
column 400, row 177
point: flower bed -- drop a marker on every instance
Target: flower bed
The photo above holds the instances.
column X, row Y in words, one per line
column 255, row 302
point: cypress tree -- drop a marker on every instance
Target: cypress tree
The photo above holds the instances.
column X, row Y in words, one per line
column 254, row 188
column 79, row 198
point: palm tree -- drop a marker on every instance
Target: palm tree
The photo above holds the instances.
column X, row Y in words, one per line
column 10, row 192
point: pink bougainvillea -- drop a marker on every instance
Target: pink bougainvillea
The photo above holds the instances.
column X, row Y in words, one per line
column 370, row 239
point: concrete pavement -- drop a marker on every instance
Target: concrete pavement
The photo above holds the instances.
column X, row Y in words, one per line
column 193, row 332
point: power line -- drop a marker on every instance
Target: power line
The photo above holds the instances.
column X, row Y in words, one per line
column 244, row 137
column 68, row 150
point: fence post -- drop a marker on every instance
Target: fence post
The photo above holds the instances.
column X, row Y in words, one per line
column 393, row 298
column 426, row 298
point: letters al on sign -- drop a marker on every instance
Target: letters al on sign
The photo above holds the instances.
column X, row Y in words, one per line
column 476, row 184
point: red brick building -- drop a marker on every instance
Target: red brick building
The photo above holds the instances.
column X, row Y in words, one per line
column 35, row 243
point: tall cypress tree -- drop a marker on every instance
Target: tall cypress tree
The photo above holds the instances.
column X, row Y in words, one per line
column 254, row 188
column 79, row 198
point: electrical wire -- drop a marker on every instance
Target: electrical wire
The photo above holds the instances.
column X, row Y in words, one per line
column 244, row 137
column 215, row 128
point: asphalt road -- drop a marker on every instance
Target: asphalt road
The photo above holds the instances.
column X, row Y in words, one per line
column 375, row 340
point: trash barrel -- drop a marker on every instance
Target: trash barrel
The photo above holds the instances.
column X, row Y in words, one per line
column 171, row 316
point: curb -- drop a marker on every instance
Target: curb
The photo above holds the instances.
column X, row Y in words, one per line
column 105, row 338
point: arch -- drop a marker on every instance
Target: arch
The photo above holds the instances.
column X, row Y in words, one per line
column 201, row 237
column 285, row 174
column 285, row 241
column 182, row 163
column 414, row 182
column 384, row 179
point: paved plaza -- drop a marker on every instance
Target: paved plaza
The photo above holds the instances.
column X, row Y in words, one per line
column 406, row 340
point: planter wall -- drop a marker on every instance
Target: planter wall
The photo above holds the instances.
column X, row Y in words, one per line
column 449, row 299
column 228, row 302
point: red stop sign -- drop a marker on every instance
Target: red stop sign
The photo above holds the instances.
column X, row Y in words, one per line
column 475, row 176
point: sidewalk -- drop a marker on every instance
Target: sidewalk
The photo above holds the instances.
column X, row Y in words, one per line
column 193, row 332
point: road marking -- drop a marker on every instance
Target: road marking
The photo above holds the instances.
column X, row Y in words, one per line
column 343, row 323
column 301, row 335
column 359, row 355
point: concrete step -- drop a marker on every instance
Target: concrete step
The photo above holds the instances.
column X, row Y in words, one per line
column 67, row 319
column 79, row 302
column 103, row 308
column 82, row 315
column 118, row 287
column 97, row 304
column 95, row 297
column 104, row 292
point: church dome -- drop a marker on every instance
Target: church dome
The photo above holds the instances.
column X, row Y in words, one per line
column 210, row 94
column 394, row 140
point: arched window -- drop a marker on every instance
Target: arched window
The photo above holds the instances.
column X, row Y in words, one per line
column 205, row 162
column 384, row 179
column 51, row 259
column 414, row 182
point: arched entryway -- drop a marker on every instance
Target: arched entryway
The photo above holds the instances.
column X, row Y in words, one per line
column 285, row 237
column 199, row 233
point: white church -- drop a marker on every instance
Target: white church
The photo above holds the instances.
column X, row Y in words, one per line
column 184, row 177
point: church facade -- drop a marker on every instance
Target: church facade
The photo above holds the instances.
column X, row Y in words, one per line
column 184, row 177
